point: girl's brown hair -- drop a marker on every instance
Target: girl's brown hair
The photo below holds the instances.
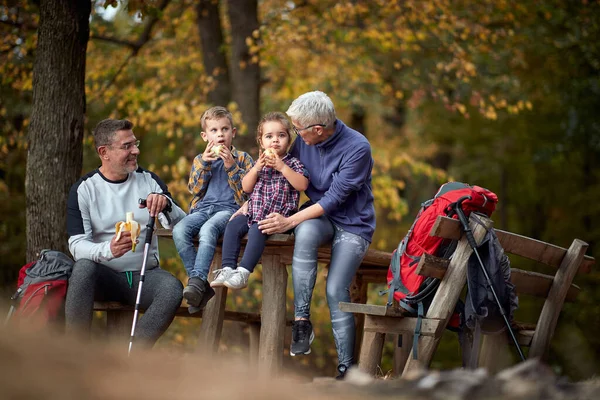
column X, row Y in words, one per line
column 274, row 116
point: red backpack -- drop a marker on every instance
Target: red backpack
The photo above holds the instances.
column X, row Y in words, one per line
column 42, row 288
column 415, row 292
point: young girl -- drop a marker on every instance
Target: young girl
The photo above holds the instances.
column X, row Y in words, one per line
column 275, row 182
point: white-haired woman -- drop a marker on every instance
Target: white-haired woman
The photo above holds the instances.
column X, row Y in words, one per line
column 340, row 212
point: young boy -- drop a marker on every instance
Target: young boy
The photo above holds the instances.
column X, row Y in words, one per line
column 216, row 183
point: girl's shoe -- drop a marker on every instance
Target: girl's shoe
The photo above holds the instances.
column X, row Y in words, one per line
column 238, row 279
column 221, row 276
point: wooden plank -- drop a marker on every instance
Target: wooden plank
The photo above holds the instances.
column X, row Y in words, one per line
column 447, row 294
column 538, row 285
column 371, row 309
column 116, row 308
column 447, row 228
column 429, row 327
column 512, row 243
column 272, row 333
column 432, row 266
column 549, row 316
column 537, row 250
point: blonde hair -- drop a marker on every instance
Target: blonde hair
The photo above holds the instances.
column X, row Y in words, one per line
column 216, row 112
column 274, row 116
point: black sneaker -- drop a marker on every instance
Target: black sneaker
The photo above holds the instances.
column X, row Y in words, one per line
column 342, row 369
column 302, row 337
column 197, row 293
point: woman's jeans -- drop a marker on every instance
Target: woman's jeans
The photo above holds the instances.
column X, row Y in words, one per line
column 210, row 223
column 347, row 252
column 235, row 231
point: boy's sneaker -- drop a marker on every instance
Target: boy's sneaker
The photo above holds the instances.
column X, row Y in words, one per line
column 221, row 276
column 238, row 279
column 197, row 293
column 302, row 337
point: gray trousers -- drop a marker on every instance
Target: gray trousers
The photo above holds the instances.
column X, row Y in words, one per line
column 89, row 281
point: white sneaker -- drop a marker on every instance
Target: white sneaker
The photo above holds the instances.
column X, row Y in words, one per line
column 220, row 276
column 238, row 279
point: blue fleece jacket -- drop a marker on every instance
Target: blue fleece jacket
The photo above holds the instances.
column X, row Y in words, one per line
column 340, row 178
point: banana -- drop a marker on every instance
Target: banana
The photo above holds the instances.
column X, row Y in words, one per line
column 128, row 225
column 216, row 150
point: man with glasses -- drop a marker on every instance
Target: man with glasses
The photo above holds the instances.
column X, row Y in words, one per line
column 106, row 267
column 340, row 211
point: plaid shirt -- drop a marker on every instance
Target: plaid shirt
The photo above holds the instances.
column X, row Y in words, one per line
column 273, row 193
column 201, row 174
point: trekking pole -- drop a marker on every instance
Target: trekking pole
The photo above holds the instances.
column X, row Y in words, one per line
column 147, row 242
column 465, row 223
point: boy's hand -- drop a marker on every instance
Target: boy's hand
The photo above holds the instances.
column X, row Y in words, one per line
column 208, row 154
column 226, row 156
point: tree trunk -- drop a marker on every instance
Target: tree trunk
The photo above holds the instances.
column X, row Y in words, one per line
column 55, row 136
column 213, row 51
column 245, row 75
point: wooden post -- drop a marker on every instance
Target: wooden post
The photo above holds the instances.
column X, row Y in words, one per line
column 447, row 294
column 495, row 355
column 371, row 350
column 212, row 316
column 272, row 332
column 358, row 294
column 118, row 325
column 402, row 352
column 556, row 297
column 254, row 341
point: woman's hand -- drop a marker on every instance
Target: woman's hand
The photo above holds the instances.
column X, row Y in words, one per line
column 275, row 223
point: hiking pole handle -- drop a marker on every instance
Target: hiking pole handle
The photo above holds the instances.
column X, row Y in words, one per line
column 463, row 220
column 149, row 225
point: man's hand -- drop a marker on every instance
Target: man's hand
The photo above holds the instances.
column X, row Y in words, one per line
column 121, row 246
column 156, row 203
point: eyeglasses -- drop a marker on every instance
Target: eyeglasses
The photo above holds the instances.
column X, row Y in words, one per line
column 298, row 130
column 128, row 146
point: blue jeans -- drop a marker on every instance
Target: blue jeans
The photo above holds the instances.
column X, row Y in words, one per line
column 347, row 252
column 210, row 224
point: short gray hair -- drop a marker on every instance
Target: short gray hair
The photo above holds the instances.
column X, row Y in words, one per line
column 312, row 108
column 106, row 130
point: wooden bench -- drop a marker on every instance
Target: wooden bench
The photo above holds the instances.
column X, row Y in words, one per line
column 556, row 289
column 119, row 318
column 276, row 257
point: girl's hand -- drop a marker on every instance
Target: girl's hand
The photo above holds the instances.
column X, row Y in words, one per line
column 260, row 163
column 243, row 210
column 272, row 160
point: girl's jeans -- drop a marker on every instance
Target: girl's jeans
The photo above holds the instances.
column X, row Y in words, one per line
column 347, row 252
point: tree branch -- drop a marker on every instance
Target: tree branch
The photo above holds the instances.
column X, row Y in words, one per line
column 144, row 38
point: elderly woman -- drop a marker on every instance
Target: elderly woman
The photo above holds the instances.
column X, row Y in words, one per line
column 340, row 212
